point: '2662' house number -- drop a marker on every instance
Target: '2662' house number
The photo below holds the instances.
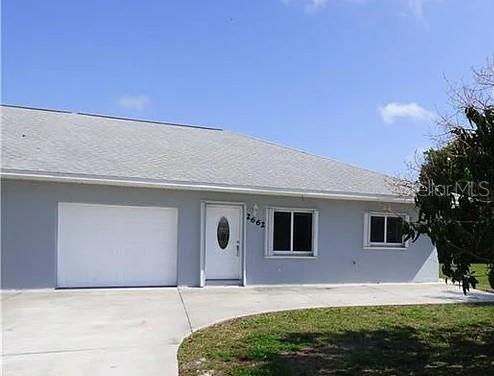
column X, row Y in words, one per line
column 254, row 220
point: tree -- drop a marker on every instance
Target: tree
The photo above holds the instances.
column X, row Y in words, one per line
column 455, row 186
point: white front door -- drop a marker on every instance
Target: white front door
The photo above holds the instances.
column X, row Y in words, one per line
column 223, row 242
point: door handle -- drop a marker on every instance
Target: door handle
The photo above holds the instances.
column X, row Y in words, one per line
column 238, row 248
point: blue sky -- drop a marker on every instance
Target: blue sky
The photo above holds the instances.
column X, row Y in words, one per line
column 356, row 80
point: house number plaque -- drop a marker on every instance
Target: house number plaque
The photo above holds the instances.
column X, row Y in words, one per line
column 254, row 220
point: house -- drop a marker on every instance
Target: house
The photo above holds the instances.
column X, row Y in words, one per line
column 95, row 201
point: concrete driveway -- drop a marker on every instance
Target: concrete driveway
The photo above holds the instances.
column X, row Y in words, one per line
column 138, row 331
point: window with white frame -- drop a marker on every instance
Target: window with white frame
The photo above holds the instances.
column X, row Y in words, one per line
column 291, row 232
column 384, row 230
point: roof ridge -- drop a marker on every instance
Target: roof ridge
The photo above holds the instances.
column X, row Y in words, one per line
column 112, row 117
column 36, row 108
column 149, row 121
column 292, row 148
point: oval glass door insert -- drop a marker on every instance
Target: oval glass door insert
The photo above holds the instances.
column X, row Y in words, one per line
column 223, row 232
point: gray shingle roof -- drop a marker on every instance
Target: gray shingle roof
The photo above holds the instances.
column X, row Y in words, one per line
column 70, row 144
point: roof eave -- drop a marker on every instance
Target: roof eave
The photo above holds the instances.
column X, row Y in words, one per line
column 146, row 183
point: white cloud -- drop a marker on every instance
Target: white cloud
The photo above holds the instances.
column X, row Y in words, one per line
column 315, row 4
column 137, row 102
column 308, row 5
column 311, row 6
column 416, row 8
column 392, row 111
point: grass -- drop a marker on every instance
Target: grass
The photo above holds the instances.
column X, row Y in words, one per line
column 481, row 274
column 450, row 339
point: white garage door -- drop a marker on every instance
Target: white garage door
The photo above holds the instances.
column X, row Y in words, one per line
column 101, row 245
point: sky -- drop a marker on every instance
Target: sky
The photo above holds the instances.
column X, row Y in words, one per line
column 360, row 81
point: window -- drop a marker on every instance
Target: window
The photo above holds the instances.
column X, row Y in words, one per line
column 291, row 232
column 383, row 230
column 223, row 232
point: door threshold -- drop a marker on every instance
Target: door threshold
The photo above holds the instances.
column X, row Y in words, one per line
column 223, row 282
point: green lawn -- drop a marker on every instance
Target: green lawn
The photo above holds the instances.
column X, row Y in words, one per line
column 450, row 339
column 481, row 273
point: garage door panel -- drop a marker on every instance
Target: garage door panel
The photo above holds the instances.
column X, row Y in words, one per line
column 101, row 245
